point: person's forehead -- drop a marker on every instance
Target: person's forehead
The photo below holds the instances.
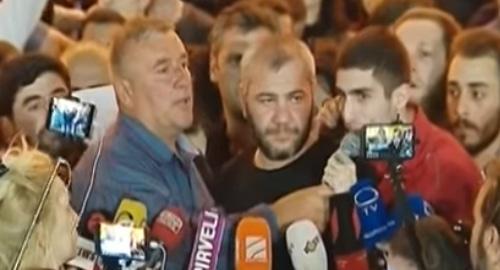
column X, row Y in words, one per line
column 349, row 79
column 420, row 30
column 290, row 77
column 158, row 45
column 483, row 68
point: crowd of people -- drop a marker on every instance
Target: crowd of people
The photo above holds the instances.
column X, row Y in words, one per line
column 246, row 106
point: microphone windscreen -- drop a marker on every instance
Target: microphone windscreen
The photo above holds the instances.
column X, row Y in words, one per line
column 376, row 225
column 253, row 244
column 131, row 211
column 351, row 145
column 170, row 227
column 305, row 246
column 208, row 241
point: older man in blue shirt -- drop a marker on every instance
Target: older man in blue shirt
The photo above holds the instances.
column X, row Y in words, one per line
column 145, row 157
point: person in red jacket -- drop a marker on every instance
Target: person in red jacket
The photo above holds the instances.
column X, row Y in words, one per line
column 374, row 77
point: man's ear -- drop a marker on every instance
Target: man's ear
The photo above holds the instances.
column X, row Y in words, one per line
column 213, row 67
column 491, row 243
column 124, row 92
column 400, row 97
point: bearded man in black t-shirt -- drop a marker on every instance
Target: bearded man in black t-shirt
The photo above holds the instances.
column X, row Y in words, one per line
column 276, row 93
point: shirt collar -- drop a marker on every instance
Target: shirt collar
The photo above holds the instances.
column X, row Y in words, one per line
column 153, row 145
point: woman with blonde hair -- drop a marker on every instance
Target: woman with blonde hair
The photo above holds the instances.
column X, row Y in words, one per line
column 25, row 175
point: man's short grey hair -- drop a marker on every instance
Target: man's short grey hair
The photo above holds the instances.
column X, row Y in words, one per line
column 275, row 53
column 134, row 31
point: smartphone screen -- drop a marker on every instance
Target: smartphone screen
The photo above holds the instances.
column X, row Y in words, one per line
column 119, row 241
column 384, row 142
column 70, row 117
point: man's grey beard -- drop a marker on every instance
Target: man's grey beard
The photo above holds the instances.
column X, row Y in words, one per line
column 268, row 150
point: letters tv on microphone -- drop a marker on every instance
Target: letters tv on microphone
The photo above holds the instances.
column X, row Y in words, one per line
column 208, row 241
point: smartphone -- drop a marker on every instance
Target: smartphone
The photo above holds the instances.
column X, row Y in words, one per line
column 122, row 242
column 70, row 117
column 389, row 142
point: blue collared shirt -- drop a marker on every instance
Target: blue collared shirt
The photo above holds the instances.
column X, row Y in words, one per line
column 136, row 164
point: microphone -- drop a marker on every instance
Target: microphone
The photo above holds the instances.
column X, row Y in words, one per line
column 305, row 246
column 170, row 228
column 351, row 145
column 253, row 244
column 131, row 212
column 208, row 241
column 344, row 222
column 376, row 224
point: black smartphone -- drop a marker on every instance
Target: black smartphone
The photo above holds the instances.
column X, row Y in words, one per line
column 122, row 242
column 389, row 142
column 70, row 117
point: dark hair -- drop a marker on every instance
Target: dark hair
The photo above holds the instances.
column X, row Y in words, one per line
column 378, row 49
column 245, row 15
column 7, row 51
column 442, row 249
column 23, row 71
column 390, row 10
column 101, row 15
column 336, row 17
column 449, row 25
column 324, row 51
column 476, row 43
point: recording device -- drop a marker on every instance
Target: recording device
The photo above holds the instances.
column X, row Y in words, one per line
column 253, row 245
column 122, row 242
column 208, row 241
column 305, row 246
column 388, row 142
column 125, row 240
column 70, row 117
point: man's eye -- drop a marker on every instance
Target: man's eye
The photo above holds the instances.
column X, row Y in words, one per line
column 477, row 95
column 454, row 92
column 235, row 59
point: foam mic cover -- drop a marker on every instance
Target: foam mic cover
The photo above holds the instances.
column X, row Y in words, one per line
column 170, row 227
column 253, row 245
column 305, row 246
column 418, row 206
column 351, row 145
column 131, row 212
column 376, row 224
column 208, row 241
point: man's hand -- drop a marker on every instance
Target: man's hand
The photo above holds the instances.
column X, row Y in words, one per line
column 330, row 112
column 340, row 173
column 310, row 203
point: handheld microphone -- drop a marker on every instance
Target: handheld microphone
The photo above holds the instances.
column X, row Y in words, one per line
column 131, row 212
column 344, row 223
column 208, row 241
column 305, row 246
column 170, row 227
column 253, row 244
column 376, row 224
